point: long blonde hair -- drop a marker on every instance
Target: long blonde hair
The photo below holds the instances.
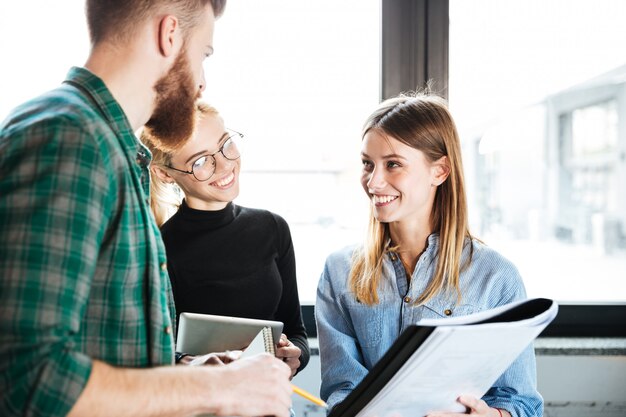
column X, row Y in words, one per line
column 423, row 122
column 165, row 198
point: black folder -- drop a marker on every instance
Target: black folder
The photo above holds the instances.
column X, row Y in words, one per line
column 409, row 342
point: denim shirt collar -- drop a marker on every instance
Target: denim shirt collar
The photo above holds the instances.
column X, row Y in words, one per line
column 393, row 263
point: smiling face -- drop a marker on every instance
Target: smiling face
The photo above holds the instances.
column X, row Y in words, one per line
column 223, row 186
column 399, row 180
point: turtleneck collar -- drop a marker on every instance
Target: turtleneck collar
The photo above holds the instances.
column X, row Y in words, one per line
column 209, row 218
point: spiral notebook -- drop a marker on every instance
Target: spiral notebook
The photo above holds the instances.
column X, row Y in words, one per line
column 263, row 342
column 199, row 334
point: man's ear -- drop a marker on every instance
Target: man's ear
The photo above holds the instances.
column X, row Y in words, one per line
column 161, row 174
column 170, row 35
column 441, row 171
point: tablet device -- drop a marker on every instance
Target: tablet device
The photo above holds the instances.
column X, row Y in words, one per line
column 199, row 334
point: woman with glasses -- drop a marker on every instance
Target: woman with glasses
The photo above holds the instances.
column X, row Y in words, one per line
column 222, row 258
column 418, row 261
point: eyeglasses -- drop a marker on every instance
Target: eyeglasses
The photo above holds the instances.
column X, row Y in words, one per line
column 204, row 167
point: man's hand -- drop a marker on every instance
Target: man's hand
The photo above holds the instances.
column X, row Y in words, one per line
column 254, row 386
column 216, row 358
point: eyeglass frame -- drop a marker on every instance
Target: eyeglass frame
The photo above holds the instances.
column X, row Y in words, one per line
column 220, row 150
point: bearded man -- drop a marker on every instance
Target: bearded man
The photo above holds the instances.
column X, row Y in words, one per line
column 86, row 325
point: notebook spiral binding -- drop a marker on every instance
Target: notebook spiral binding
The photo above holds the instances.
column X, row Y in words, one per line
column 268, row 338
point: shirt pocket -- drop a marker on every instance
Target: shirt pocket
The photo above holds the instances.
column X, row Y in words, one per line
column 436, row 310
column 366, row 320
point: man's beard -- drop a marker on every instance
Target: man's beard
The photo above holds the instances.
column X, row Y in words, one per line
column 173, row 119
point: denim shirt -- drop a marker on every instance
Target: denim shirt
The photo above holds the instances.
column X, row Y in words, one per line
column 354, row 336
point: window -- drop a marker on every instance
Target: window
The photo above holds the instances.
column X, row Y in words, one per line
column 538, row 90
column 589, row 177
column 299, row 80
column 40, row 40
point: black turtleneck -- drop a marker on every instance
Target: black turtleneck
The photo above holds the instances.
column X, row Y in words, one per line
column 238, row 262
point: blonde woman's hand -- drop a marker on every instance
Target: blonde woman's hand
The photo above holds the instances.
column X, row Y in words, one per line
column 475, row 407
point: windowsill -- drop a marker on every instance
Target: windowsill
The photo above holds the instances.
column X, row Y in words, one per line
column 589, row 346
column 558, row 346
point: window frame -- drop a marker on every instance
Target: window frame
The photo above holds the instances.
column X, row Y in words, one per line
column 414, row 45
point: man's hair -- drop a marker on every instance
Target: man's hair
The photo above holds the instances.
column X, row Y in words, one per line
column 117, row 19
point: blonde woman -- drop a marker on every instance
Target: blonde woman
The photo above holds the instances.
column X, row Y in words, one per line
column 418, row 259
column 223, row 258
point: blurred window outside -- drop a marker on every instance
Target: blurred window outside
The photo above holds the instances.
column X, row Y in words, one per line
column 537, row 87
column 539, row 92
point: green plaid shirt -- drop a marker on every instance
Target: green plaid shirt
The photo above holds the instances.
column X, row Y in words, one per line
column 82, row 264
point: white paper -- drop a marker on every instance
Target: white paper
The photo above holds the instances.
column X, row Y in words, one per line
column 454, row 360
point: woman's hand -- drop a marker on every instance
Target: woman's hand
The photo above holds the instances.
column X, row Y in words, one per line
column 476, row 407
column 289, row 353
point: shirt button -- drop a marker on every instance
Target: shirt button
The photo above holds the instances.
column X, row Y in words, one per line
column 393, row 257
column 447, row 312
column 407, row 299
column 168, row 329
column 164, row 266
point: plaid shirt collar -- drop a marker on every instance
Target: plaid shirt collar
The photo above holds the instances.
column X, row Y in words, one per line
column 110, row 109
